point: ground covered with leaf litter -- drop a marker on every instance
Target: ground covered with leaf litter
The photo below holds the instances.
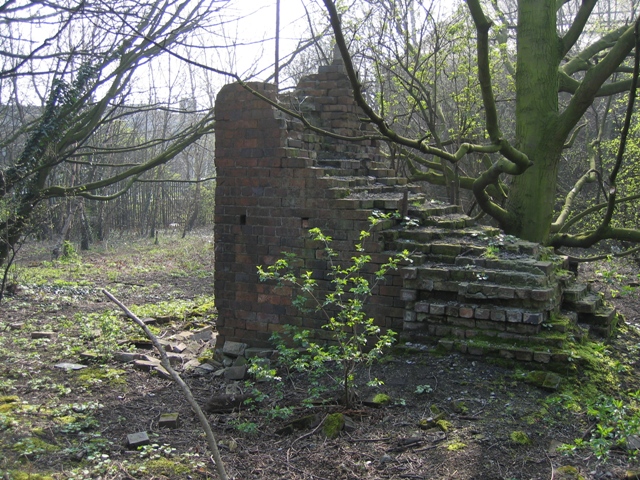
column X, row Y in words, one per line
column 447, row 416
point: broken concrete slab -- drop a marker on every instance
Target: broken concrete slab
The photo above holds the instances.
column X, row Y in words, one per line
column 48, row 335
column 178, row 347
column 235, row 373
column 202, row 335
column 233, row 349
column 175, row 358
column 633, row 442
column 240, row 361
column 135, row 440
column 543, row 379
column 164, row 319
column 142, row 343
column 126, row 357
column 89, row 357
column 182, row 336
column 145, row 365
column 181, row 350
column 194, row 348
column 150, row 358
column 258, row 352
column 204, row 369
column 349, row 425
column 70, row 366
column 169, row 420
column 162, row 372
column 191, row 364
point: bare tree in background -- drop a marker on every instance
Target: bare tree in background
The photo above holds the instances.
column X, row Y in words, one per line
column 531, row 75
column 69, row 81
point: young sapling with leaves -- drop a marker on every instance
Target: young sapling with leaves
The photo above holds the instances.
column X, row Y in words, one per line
column 355, row 337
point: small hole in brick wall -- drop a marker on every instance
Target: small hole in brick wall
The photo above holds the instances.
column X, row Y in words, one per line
column 243, row 219
column 304, row 222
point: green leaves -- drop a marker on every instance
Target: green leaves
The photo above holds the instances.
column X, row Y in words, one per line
column 356, row 337
column 616, row 420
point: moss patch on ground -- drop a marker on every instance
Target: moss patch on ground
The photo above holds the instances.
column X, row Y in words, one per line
column 333, row 425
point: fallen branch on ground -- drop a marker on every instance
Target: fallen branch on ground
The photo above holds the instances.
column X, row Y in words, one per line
column 211, row 439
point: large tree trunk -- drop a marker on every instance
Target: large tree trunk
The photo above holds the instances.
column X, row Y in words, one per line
column 532, row 195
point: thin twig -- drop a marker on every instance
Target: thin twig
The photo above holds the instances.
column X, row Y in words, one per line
column 401, row 448
column 211, row 440
column 369, row 440
column 551, row 465
column 309, row 433
column 468, row 417
column 424, row 449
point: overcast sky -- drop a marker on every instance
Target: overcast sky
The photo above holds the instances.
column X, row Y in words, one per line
column 256, row 27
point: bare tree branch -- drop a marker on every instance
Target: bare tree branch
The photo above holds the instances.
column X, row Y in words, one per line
column 211, row 439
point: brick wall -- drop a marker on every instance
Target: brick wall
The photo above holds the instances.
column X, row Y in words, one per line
column 276, row 180
column 271, row 191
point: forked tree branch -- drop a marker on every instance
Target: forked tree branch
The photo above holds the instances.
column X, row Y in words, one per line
column 604, row 230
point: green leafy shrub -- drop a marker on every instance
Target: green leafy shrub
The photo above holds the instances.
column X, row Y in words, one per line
column 356, row 337
column 68, row 251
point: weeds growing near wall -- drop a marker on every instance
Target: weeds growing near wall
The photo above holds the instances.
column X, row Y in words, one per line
column 356, row 338
column 616, row 423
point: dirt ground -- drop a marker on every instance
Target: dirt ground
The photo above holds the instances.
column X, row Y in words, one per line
column 57, row 424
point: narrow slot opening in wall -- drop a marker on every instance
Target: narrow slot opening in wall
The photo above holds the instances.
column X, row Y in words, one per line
column 304, row 222
column 243, row 219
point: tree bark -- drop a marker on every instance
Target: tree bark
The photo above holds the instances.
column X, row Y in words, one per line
column 64, row 232
column 194, row 212
column 532, row 195
column 85, row 228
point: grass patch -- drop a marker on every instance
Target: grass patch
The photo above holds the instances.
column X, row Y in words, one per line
column 21, row 475
column 33, row 446
column 168, row 467
column 520, row 438
column 456, row 446
column 101, row 375
column 177, row 309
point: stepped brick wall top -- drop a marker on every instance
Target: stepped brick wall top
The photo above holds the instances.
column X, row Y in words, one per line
column 271, row 191
column 276, row 180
